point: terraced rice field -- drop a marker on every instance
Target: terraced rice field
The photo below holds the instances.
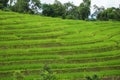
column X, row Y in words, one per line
column 73, row 49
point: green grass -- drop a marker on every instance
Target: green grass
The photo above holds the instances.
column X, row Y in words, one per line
column 72, row 48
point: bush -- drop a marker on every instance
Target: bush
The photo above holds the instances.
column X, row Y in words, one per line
column 18, row 75
column 94, row 77
column 6, row 9
column 47, row 74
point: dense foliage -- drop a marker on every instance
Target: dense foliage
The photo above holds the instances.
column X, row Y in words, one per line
column 109, row 14
column 3, row 3
column 21, row 6
column 67, row 10
column 26, row 6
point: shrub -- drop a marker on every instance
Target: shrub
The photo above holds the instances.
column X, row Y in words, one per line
column 18, row 75
column 94, row 77
column 47, row 74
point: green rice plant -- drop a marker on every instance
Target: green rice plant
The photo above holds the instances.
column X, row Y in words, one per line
column 72, row 76
column 73, row 48
column 59, row 66
column 104, row 56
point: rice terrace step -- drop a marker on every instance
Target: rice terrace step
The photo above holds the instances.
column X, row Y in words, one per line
column 73, row 49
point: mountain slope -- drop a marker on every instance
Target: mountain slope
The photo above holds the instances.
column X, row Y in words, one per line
column 73, row 49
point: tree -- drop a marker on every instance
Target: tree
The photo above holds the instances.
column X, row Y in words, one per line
column 24, row 6
column 84, row 9
column 37, row 3
column 54, row 10
column 21, row 6
column 109, row 14
column 58, row 8
column 70, row 11
column 3, row 3
column 97, row 10
column 47, row 10
column 35, row 6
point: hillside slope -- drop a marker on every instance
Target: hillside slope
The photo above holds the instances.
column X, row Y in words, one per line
column 73, row 49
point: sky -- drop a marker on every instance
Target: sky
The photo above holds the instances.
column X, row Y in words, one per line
column 105, row 3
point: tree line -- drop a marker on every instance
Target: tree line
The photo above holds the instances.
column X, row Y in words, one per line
column 57, row 9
